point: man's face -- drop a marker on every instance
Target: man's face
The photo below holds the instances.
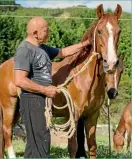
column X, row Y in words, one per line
column 43, row 34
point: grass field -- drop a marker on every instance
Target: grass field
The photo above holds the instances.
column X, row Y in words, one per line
column 57, row 152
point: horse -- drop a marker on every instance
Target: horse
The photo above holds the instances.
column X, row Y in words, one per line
column 87, row 90
column 111, row 82
column 124, row 126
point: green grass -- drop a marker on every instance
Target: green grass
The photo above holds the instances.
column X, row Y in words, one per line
column 19, row 147
column 57, row 152
column 102, row 138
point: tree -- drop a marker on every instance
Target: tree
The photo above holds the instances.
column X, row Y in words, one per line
column 6, row 6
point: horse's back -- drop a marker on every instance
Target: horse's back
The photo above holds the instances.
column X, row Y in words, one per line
column 127, row 113
column 7, row 70
column 7, row 86
column 1, row 136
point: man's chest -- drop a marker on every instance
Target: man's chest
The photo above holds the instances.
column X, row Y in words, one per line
column 41, row 61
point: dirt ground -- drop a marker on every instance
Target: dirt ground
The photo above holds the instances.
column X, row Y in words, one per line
column 62, row 142
column 56, row 140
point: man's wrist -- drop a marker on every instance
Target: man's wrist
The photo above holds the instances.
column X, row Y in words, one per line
column 85, row 43
column 42, row 89
column 81, row 44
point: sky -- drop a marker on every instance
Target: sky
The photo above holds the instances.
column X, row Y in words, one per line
column 125, row 4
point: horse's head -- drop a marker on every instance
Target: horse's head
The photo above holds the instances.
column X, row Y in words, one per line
column 106, row 37
column 112, row 80
column 118, row 140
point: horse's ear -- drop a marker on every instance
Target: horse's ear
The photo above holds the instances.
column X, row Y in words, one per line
column 100, row 11
column 118, row 11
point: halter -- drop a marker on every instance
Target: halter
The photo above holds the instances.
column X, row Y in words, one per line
column 115, row 75
column 95, row 35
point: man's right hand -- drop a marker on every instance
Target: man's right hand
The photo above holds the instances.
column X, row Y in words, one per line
column 85, row 43
column 50, row 91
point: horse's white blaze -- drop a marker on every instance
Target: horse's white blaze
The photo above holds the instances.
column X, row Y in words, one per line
column 11, row 153
column 112, row 57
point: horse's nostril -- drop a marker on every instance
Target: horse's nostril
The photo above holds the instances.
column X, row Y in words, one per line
column 112, row 93
column 105, row 61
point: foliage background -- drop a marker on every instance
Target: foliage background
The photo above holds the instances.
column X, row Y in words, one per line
column 64, row 31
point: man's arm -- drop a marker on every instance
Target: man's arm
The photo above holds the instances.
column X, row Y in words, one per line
column 22, row 81
column 73, row 49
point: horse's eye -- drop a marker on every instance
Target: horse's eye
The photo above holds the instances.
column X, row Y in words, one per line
column 99, row 32
column 119, row 32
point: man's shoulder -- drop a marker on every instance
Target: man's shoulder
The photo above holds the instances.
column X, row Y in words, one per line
column 23, row 50
column 24, row 45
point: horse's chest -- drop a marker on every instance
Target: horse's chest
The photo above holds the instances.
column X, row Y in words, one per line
column 96, row 97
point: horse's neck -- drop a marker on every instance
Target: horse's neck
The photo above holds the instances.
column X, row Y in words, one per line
column 83, row 54
column 121, row 126
column 76, row 60
column 72, row 64
column 67, row 67
column 93, row 74
column 78, row 63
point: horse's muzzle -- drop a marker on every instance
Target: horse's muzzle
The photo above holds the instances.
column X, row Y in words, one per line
column 112, row 93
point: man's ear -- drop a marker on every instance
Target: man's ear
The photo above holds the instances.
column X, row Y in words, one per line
column 35, row 33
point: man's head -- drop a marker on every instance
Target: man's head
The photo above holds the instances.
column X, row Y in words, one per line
column 37, row 29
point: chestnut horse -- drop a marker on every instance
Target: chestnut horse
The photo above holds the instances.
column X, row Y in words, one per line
column 87, row 89
column 110, row 79
column 124, row 126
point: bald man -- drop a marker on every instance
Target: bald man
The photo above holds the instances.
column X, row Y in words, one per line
column 33, row 75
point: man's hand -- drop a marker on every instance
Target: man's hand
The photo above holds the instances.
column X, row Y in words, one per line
column 22, row 81
column 73, row 49
column 85, row 43
column 50, row 91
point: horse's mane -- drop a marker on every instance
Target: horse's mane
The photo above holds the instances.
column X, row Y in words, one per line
column 89, row 33
column 83, row 54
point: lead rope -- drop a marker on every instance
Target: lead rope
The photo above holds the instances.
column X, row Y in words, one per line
column 108, row 106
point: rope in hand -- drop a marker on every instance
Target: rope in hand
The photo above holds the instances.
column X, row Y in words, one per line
column 70, row 124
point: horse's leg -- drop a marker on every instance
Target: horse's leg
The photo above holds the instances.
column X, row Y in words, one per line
column 72, row 145
column 8, row 117
column 128, row 128
column 72, row 142
column 80, row 139
column 90, row 127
